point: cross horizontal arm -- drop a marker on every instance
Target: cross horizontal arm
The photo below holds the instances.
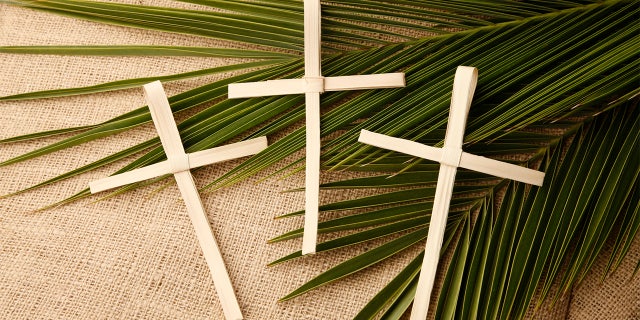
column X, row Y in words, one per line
column 300, row 86
column 467, row 160
column 137, row 175
column 266, row 88
column 227, row 152
column 196, row 159
column 400, row 145
column 501, row 169
column 365, row 81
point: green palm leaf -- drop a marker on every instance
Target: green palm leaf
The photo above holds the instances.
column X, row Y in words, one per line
column 145, row 51
column 501, row 258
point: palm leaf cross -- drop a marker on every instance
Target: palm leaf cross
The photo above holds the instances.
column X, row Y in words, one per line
column 179, row 163
column 312, row 85
column 450, row 157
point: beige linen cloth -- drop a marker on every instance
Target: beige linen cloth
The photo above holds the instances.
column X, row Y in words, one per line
column 135, row 256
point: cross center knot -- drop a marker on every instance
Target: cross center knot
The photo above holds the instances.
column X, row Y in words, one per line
column 451, row 156
column 314, row 84
column 179, row 163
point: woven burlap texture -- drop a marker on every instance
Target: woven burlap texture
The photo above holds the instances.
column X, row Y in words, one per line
column 135, row 256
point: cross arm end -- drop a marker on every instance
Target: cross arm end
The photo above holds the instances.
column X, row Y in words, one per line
column 501, row 169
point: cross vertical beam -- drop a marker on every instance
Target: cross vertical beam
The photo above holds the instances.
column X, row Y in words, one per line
column 312, row 85
column 463, row 87
column 179, row 163
column 172, row 144
column 312, row 72
column 312, row 38
column 210, row 249
column 450, row 157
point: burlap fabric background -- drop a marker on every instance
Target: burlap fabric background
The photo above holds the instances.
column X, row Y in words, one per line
column 135, row 255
